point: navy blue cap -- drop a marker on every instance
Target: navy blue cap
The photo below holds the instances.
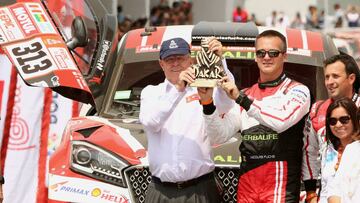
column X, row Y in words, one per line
column 175, row 46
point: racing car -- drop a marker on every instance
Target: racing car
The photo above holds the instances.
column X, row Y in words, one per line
column 103, row 154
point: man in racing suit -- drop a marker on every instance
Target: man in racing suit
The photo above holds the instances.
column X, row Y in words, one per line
column 271, row 116
column 342, row 79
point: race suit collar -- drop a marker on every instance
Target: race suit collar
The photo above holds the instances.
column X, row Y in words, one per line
column 273, row 83
column 355, row 96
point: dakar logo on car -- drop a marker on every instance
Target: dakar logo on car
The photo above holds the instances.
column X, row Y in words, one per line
column 106, row 195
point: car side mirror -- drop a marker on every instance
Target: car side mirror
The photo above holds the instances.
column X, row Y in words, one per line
column 79, row 34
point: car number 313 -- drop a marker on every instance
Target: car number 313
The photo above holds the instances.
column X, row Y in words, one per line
column 31, row 57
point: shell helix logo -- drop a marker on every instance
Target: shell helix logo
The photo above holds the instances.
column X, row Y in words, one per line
column 108, row 196
column 96, row 192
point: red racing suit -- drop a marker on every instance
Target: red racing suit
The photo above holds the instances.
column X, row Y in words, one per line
column 271, row 119
column 315, row 141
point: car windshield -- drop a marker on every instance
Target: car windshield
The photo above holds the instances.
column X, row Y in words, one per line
column 63, row 13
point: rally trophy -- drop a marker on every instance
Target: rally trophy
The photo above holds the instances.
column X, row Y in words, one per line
column 209, row 69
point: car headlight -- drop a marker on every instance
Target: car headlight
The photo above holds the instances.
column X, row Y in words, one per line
column 98, row 163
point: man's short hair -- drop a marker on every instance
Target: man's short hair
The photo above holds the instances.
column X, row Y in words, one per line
column 274, row 33
column 350, row 67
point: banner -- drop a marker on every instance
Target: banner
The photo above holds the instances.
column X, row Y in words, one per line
column 5, row 71
column 21, row 164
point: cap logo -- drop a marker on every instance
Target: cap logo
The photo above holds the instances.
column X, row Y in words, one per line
column 173, row 45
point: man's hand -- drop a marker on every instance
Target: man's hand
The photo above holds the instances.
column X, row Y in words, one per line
column 215, row 46
column 185, row 77
column 313, row 200
column 205, row 94
column 229, row 87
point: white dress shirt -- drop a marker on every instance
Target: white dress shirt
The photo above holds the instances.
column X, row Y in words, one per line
column 178, row 147
column 346, row 183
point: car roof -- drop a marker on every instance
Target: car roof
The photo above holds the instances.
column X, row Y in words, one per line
column 304, row 47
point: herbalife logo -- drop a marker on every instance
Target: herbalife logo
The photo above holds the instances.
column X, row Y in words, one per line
column 173, row 45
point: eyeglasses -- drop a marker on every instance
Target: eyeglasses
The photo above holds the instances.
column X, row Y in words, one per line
column 261, row 53
column 172, row 59
column 343, row 120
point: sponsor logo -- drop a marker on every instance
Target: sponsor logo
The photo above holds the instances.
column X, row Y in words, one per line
column 233, row 54
column 56, row 186
column 96, row 192
column 55, row 81
column 104, row 51
column 262, row 137
column 147, row 48
column 227, row 159
column 74, row 190
column 106, row 195
column 5, row 19
column 262, row 157
column 227, row 38
column 39, row 17
column 173, row 45
column 24, row 20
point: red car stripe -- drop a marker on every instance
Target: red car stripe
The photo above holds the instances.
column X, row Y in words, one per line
column 315, row 41
column 294, row 38
column 134, row 39
column 156, row 37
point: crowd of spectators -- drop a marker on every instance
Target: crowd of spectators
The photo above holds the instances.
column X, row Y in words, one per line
column 179, row 13
column 314, row 18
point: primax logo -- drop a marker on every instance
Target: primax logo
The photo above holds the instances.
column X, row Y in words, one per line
column 75, row 190
column 104, row 51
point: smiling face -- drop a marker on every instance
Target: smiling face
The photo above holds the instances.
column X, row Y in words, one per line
column 270, row 67
column 338, row 83
column 343, row 128
column 173, row 65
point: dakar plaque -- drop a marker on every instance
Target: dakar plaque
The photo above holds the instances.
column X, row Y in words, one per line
column 208, row 67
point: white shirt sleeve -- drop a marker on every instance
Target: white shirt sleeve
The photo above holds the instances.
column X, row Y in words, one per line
column 222, row 102
column 221, row 129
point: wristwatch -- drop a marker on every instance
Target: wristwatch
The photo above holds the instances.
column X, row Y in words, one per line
column 2, row 180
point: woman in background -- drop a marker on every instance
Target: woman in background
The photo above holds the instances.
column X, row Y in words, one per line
column 340, row 128
column 345, row 187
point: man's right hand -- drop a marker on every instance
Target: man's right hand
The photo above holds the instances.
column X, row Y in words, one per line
column 229, row 87
column 185, row 77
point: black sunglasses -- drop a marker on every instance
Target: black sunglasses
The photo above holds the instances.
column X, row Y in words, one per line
column 343, row 120
column 261, row 53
